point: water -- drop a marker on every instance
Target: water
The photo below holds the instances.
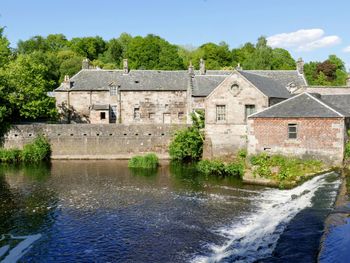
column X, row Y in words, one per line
column 100, row 211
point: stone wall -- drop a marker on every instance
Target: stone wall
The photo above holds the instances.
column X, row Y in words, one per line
column 320, row 138
column 93, row 141
column 154, row 107
column 228, row 136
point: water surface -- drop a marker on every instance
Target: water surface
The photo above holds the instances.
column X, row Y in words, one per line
column 100, row 211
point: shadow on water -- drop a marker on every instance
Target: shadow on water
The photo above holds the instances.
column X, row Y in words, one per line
column 25, row 210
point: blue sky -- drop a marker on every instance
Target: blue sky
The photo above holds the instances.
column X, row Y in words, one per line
column 310, row 29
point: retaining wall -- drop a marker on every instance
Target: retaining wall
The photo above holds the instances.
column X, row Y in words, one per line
column 96, row 141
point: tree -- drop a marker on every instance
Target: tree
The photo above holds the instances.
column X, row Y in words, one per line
column 281, row 59
column 330, row 72
column 215, row 56
column 36, row 43
column 27, row 88
column 113, row 54
column 5, row 51
column 89, row 47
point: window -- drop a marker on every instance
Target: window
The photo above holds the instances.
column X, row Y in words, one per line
column 220, row 112
column 249, row 109
column 137, row 113
column 102, row 115
column 113, row 91
column 180, row 115
column 113, row 113
column 292, row 131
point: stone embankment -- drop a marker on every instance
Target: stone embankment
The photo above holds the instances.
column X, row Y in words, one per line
column 96, row 141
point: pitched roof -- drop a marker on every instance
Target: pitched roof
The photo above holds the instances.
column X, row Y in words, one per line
column 100, row 80
column 341, row 103
column 284, row 77
column 304, row 105
column 268, row 86
column 204, row 84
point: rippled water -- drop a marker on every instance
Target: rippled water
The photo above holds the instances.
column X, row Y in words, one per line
column 100, row 211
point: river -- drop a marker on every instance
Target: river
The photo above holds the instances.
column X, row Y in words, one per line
column 101, row 211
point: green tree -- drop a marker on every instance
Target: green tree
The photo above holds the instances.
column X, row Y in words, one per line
column 215, row 56
column 281, row 59
column 5, row 51
column 27, row 89
column 89, row 47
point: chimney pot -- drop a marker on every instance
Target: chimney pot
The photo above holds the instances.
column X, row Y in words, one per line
column 300, row 66
column 85, row 63
column 348, row 80
column 202, row 66
column 126, row 66
column 190, row 69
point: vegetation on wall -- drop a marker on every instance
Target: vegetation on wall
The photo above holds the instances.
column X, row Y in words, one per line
column 187, row 144
column 34, row 152
column 219, row 168
column 284, row 170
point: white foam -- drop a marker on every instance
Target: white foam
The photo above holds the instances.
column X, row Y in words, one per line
column 256, row 235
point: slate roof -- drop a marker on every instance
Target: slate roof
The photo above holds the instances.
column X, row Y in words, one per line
column 341, row 103
column 203, row 85
column 304, row 105
column 268, row 86
column 99, row 80
column 272, row 83
column 284, row 77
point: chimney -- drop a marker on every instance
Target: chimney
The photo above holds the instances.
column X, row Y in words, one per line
column 202, row 67
column 126, row 66
column 348, row 80
column 300, row 66
column 239, row 67
column 85, row 64
column 66, row 82
column 190, row 69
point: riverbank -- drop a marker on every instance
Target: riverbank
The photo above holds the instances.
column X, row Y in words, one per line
column 336, row 239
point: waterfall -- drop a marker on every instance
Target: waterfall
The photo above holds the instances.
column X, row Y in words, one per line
column 255, row 235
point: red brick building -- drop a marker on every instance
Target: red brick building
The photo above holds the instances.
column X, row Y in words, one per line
column 306, row 125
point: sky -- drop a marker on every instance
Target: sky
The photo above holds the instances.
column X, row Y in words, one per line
column 311, row 29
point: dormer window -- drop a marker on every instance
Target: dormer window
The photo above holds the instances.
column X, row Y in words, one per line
column 113, row 90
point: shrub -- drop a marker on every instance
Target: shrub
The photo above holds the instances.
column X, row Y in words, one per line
column 235, row 169
column 38, row 150
column 149, row 161
column 347, row 149
column 10, row 155
column 216, row 167
column 187, row 144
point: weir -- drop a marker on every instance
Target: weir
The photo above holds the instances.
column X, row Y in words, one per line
column 255, row 236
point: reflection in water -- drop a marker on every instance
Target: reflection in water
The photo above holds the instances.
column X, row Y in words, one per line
column 98, row 211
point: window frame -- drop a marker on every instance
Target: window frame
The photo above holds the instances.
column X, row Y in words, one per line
column 113, row 91
column 292, row 135
column 249, row 106
column 137, row 113
column 220, row 112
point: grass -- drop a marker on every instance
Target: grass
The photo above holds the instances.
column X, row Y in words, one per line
column 148, row 161
column 34, row 152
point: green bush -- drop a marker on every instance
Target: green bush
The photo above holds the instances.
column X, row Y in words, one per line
column 10, row 155
column 37, row 151
column 234, row 169
column 216, row 167
column 147, row 161
column 347, row 149
column 187, row 144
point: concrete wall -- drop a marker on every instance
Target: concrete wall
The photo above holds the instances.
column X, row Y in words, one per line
column 320, row 138
column 155, row 106
column 226, row 137
column 92, row 141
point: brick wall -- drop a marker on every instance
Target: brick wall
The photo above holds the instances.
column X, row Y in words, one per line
column 94, row 141
column 320, row 138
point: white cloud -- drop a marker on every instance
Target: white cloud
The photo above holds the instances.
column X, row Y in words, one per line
column 347, row 49
column 303, row 40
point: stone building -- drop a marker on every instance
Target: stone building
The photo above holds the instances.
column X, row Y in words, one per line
column 306, row 125
column 232, row 101
column 135, row 96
